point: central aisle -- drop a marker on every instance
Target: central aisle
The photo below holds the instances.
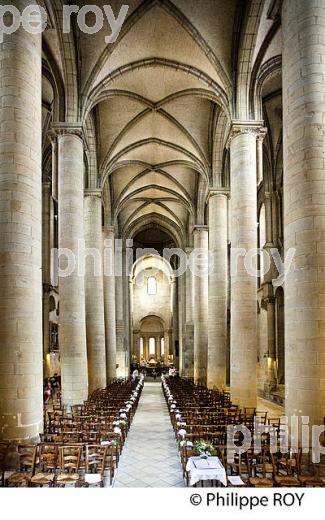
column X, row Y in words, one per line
column 150, row 457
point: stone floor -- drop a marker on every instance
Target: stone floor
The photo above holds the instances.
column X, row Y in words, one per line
column 150, row 457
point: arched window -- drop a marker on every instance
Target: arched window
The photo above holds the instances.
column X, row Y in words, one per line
column 152, row 286
column 162, row 346
column 152, row 347
column 141, row 347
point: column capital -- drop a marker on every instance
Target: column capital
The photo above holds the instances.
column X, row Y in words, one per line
column 200, row 228
column 255, row 128
column 60, row 129
column 93, row 193
column 218, row 191
column 261, row 134
column 109, row 229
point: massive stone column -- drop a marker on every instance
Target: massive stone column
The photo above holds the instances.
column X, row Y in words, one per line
column 109, row 301
column 181, row 322
column 189, row 325
column 172, row 346
column 46, row 271
column 269, row 300
column 304, row 206
column 94, row 291
column 21, row 403
column 120, row 322
column 127, row 256
column 200, row 276
column 243, row 353
column 72, row 321
column 218, row 247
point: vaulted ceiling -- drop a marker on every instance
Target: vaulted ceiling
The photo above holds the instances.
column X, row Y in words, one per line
column 157, row 104
column 155, row 97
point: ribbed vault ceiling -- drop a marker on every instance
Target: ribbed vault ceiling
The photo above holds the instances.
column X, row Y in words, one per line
column 154, row 96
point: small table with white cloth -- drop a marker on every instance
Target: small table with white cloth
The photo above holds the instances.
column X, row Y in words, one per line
column 206, row 469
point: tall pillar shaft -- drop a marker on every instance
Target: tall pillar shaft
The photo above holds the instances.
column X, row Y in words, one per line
column 46, row 271
column 188, row 361
column 218, row 237
column 94, row 291
column 21, row 403
column 174, row 288
column 181, row 322
column 109, row 302
column 201, row 245
column 46, row 232
column 243, row 355
column 304, row 206
column 120, row 323
column 126, row 307
column 72, row 321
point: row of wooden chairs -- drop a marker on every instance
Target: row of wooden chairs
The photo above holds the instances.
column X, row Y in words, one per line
column 199, row 414
column 264, row 469
column 52, row 465
column 80, row 444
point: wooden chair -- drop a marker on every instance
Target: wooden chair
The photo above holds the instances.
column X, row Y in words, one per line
column 111, row 461
column 236, row 470
column 48, row 458
column 261, row 470
column 285, row 469
column 186, row 452
column 26, row 466
column 70, row 457
column 95, row 465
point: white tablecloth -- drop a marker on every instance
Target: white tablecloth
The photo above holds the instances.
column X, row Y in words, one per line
column 214, row 470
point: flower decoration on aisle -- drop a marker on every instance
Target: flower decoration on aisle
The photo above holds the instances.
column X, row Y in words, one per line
column 204, row 448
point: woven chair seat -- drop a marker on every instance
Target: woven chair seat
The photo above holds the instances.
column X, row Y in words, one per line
column 43, row 478
column 20, row 477
column 66, row 478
